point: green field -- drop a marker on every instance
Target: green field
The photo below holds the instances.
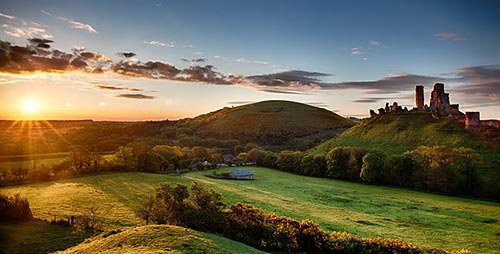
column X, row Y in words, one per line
column 423, row 219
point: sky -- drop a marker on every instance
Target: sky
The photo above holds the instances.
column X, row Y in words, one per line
column 162, row 59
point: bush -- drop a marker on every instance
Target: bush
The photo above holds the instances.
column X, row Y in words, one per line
column 14, row 209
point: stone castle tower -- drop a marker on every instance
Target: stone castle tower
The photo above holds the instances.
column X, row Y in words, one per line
column 419, row 97
column 439, row 99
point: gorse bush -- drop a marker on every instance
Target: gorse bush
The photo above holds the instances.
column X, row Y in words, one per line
column 201, row 209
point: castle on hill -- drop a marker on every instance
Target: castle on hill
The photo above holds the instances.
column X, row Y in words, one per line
column 439, row 106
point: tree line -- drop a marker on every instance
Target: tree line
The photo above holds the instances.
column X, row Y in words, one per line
column 438, row 168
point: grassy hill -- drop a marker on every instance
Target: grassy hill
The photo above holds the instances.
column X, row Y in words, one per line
column 271, row 122
column 159, row 239
column 397, row 133
column 427, row 220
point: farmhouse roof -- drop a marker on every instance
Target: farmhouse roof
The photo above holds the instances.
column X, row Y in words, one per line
column 241, row 172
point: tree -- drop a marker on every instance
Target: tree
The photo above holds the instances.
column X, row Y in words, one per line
column 466, row 163
column 269, row 159
column 124, row 158
column 242, row 158
column 398, row 170
column 373, row 164
column 256, row 155
column 313, row 165
column 20, row 174
column 289, row 161
column 337, row 162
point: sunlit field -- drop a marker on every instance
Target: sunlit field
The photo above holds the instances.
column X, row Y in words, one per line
column 423, row 219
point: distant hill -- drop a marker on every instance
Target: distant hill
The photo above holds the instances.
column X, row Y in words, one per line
column 270, row 122
column 159, row 239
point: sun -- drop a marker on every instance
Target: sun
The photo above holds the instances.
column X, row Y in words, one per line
column 29, row 106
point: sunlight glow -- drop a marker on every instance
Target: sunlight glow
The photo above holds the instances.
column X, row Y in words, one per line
column 29, row 106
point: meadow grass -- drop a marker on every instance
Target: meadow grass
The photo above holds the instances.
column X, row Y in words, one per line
column 35, row 237
column 427, row 220
column 161, row 239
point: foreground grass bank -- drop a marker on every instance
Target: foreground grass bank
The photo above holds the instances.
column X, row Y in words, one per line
column 423, row 219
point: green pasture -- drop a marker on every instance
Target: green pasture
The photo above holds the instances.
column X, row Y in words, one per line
column 427, row 220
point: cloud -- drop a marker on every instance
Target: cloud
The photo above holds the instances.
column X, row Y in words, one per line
column 198, row 60
column 73, row 23
column 448, row 36
column 160, row 44
column 244, row 60
column 369, row 100
column 280, row 91
column 135, row 96
column 3, row 15
column 391, row 84
column 480, row 82
column 295, row 78
column 481, row 85
column 117, row 88
column 26, row 31
column 40, row 43
column 80, row 25
column 239, row 102
column 374, row 43
column 150, row 69
column 356, row 52
column 126, row 54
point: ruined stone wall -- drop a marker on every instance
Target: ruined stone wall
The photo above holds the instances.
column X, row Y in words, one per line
column 472, row 120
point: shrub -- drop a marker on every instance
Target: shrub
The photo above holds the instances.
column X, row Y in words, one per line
column 14, row 208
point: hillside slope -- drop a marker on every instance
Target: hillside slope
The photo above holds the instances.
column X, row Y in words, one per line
column 401, row 132
column 271, row 122
column 159, row 239
column 397, row 133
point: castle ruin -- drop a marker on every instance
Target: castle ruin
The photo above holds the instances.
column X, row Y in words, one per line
column 472, row 120
column 439, row 106
column 419, row 97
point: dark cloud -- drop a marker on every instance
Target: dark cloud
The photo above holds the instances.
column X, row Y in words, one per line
column 391, row 84
column 289, row 78
column 135, row 96
column 40, row 43
column 118, row 88
column 481, row 85
column 280, row 91
column 479, row 74
column 205, row 74
column 369, row 100
column 198, row 60
column 239, row 102
column 150, row 69
column 126, row 54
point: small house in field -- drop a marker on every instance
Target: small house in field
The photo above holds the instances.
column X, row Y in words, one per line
column 241, row 174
